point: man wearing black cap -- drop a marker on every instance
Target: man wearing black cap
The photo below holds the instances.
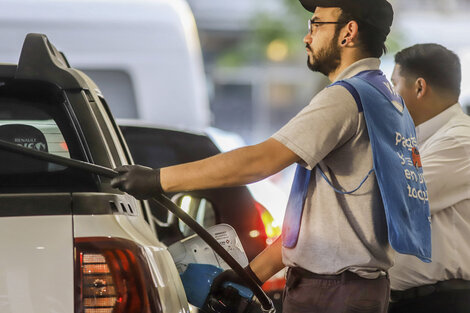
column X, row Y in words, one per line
column 334, row 242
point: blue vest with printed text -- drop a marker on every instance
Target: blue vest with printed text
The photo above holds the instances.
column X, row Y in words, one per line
column 396, row 163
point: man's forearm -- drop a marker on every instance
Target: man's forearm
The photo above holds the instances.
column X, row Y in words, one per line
column 222, row 170
column 238, row 167
column 268, row 262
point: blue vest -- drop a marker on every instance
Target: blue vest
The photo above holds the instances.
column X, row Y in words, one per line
column 397, row 167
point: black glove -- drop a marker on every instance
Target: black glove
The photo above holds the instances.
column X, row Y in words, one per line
column 231, row 276
column 140, row 181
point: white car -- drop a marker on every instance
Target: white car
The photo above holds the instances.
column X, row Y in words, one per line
column 69, row 242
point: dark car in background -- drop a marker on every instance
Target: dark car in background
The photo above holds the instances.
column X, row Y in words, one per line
column 159, row 147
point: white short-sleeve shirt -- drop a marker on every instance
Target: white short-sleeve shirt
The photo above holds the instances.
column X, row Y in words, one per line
column 444, row 146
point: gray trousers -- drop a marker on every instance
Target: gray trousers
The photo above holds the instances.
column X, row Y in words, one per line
column 343, row 293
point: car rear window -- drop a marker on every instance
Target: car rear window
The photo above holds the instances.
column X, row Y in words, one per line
column 37, row 118
column 40, row 132
column 161, row 147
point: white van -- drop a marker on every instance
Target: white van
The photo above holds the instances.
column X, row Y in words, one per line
column 144, row 54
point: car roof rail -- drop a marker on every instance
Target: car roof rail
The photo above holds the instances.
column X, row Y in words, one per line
column 41, row 61
column 7, row 71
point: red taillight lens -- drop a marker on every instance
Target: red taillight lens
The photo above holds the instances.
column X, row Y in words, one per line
column 272, row 231
column 275, row 284
column 64, row 146
column 113, row 276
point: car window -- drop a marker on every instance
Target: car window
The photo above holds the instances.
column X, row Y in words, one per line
column 36, row 120
column 171, row 147
column 157, row 148
column 40, row 133
column 49, row 138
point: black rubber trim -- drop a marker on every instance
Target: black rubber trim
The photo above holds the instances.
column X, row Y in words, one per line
column 23, row 204
column 7, row 71
column 87, row 203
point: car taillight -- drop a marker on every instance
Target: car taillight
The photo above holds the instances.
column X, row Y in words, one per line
column 272, row 231
column 64, row 146
column 112, row 275
column 275, row 285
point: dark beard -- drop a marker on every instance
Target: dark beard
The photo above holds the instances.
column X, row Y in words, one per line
column 327, row 59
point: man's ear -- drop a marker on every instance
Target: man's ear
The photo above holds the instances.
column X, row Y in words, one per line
column 349, row 33
column 421, row 88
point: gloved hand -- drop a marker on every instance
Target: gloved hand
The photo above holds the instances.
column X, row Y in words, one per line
column 231, row 276
column 140, row 181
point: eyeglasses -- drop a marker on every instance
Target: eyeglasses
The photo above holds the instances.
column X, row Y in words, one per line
column 314, row 24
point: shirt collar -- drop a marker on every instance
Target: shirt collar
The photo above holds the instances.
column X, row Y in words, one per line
column 428, row 128
column 362, row 65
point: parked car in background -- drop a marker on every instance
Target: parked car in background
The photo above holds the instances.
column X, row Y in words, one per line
column 158, row 147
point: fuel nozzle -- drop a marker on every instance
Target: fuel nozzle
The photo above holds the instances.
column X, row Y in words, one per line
column 231, row 298
column 228, row 299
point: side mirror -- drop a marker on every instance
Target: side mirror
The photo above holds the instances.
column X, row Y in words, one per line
column 198, row 208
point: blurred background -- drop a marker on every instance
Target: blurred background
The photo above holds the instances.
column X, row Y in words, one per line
column 255, row 58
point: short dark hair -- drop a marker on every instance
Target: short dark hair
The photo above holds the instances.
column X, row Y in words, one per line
column 371, row 39
column 436, row 64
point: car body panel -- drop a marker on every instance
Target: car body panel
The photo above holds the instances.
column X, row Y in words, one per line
column 36, row 264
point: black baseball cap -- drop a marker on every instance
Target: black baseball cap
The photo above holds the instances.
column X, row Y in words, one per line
column 376, row 13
